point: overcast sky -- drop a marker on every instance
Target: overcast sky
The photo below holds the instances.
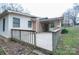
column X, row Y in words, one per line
column 44, row 8
column 47, row 9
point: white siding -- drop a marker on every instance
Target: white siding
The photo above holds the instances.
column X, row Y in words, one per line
column 5, row 33
column 9, row 24
column 23, row 22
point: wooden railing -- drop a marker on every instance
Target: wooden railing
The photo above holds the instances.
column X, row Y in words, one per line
column 27, row 36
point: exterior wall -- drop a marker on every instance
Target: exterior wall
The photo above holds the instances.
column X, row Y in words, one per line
column 34, row 25
column 23, row 23
column 6, row 32
column 38, row 26
column 9, row 24
column 41, row 27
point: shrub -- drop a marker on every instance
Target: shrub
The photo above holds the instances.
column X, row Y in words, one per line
column 64, row 31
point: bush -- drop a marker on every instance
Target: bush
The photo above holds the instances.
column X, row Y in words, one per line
column 64, row 31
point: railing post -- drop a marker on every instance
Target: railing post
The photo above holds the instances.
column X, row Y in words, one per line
column 34, row 39
column 53, row 41
column 11, row 34
column 30, row 38
column 20, row 34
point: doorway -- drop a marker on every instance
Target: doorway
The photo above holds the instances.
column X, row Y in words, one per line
column 45, row 27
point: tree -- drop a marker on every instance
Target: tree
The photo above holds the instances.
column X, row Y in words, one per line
column 11, row 6
column 72, row 12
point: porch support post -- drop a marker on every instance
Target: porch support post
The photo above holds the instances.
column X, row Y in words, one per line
column 37, row 25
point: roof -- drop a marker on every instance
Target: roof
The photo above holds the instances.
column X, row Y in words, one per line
column 14, row 12
column 6, row 12
column 51, row 19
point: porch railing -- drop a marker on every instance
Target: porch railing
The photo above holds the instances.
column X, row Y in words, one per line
column 27, row 36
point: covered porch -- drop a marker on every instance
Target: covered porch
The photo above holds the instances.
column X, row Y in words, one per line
column 48, row 25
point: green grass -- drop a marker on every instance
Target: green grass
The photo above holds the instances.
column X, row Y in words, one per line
column 2, row 51
column 69, row 42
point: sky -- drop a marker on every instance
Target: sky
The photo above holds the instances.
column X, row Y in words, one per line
column 45, row 8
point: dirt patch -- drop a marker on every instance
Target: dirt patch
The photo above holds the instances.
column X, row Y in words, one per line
column 13, row 48
column 77, row 50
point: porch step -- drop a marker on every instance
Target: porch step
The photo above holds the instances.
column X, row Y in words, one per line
column 38, row 52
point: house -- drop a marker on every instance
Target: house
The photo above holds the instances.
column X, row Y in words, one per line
column 67, row 22
column 16, row 20
column 77, row 20
column 72, row 21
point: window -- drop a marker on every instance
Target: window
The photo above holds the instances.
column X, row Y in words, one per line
column 30, row 24
column 16, row 22
column 3, row 24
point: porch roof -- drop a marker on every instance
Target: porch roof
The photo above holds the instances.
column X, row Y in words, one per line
column 50, row 19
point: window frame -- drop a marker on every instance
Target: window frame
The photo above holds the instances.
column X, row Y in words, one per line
column 30, row 25
column 17, row 22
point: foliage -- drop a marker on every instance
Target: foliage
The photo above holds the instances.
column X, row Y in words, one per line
column 64, row 31
column 12, row 6
column 72, row 13
column 1, row 51
column 69, row 42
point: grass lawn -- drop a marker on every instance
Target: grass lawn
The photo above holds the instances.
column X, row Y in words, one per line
column 69, row 43
column 2, row 51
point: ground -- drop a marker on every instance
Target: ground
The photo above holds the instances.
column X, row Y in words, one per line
column 69, row 43
column 14, row 48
